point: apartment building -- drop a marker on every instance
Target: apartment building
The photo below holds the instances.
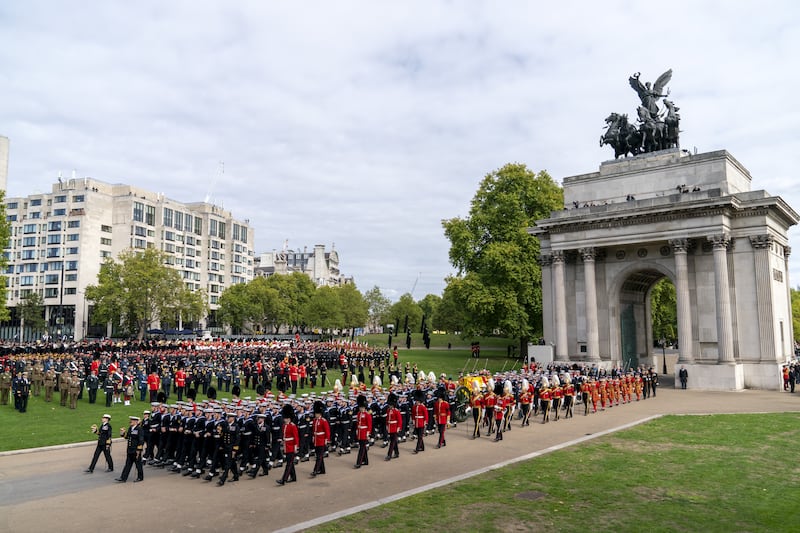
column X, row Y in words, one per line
column 60, row 239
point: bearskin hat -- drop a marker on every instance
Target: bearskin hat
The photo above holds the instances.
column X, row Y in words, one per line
column 236, row 390
column 319, row 407
column 161, row 397
column 191, row 394
column 392, row 399
column 498, row 388
column 212, row 393
column 361, row 401
column 287, row 412
column 419, row 396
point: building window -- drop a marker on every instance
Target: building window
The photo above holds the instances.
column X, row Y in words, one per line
column 26, row 281
column 139, row 243
column 37, row 214
column 73, row 223
column 178, row 220
column 12, row 205
column 212, row 227
column 150, row 215
column 70, row 277
column 54, row 225
column 169, row 235
column 28, row 254
column 51, row 292
column 188, row 223
column 11, row 218
column 36, row 201
column 105, row 229
column 198, row 226
column 29, row 241
column 53, row 252
column 168, row 217
column 77, row 198
column 139, row 231
column 72, row 265
column 59, row 212
column 59, row 199
column 105, row 253
column 72, row 237
column 70, row 290
column 105, row 242
column 29, row 228
column 138, row 212
column 54, row 239
column 51, row 279
column 72, row 251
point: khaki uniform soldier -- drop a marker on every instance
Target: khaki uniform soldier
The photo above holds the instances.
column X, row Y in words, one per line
column 5, row 386
column 49, row 384
column 37, row 378
column 63, row 386
column 74, row 390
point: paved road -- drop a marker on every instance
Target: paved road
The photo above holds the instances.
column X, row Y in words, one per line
column 48, row 489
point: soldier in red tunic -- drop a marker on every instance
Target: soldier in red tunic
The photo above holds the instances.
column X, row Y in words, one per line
column 394, row 422
column 363, row 431
column 419, row 414
column 476, row 403
column 441, row 410
column 321, row 433
column 525, row 398
column 291, row 441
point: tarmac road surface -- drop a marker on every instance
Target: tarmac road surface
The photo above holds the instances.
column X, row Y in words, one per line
column 48, row 490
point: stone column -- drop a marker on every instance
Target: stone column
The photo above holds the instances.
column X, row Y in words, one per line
column 680, row 249
column 592, row 335
column 723, row 298
column 787, row 251
column 763, row 273
column 560, row 304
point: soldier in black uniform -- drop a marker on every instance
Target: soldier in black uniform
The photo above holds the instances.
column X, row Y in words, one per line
column 207, row 447
column 304, row 430
column 276, row 437
column 260, row 443
column 103, row 444
column 216, row 446
column 246, row 424
column 92, row 384
column 154, row 433
column 332, row 415
column 197, row 436
column 230, row 435
column 345, row 426
column 184, row 440
column 405, row 412
column 135, row 437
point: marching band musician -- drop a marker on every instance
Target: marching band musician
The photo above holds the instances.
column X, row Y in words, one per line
column 544, row 400
column 569, row 396
column 499, row 410
column 525, row 398
column 476, row 404
column 556, row 394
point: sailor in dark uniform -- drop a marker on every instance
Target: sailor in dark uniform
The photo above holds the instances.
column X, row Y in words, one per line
column 103, row 444
column 135, row 446
column 229, row 447
column 260, row 443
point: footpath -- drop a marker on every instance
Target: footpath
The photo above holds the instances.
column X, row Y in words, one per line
column 47, row 489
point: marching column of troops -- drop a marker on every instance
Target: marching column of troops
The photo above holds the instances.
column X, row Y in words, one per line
column 223, row 440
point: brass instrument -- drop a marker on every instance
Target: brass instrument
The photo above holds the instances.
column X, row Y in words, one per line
column 93, row 428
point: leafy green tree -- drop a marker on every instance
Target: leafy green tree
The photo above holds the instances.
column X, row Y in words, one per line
column 31, row 311
column 664, row 310
column 450, row 316
column 189, row 308
column 355, row 310
column 429, row 305
column 499, row 280
column 324, row 310
column 236, row 308
column 378, row 306
column 295, row 291
column 135, row 290
column 406, row 306
column 5, row 235
column 268, row 306
column 795, row 294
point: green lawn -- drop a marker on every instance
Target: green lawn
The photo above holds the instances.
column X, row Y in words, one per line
column 679, row 473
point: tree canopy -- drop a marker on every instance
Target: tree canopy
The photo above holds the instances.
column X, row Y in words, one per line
column 138, row 289
column 664, row 310
column 498, row 281
column 5, row 235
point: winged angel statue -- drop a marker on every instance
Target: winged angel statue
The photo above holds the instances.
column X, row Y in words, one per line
column 656, row 130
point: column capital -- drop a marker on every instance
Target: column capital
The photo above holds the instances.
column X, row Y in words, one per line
column 720, row 240
column 760, row 242
column 558, row 256
column 787, row 251
column 680, row 245
column 546, row 260
column 588, row 254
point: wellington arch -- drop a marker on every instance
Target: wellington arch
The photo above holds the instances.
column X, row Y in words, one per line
column 694, row 219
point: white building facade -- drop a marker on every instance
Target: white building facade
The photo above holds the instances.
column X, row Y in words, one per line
column 60, row 239
column 321, row 266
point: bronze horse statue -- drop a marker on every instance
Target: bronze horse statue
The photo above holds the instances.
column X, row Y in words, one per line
column 622, row 136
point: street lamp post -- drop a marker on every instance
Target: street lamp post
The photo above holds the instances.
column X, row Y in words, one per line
column 664, row 353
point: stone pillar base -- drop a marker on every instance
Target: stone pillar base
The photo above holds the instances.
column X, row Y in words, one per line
column 714, row 376
column 763, row 376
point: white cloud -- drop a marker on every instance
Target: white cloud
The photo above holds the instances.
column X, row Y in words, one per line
column 366, row 123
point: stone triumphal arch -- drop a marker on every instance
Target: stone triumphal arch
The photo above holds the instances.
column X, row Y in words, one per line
column 695, row 220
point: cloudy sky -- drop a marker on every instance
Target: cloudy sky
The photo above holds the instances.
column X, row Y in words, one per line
column 365, row 124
